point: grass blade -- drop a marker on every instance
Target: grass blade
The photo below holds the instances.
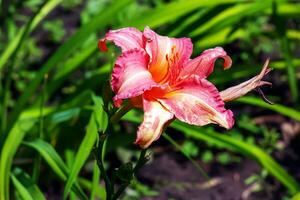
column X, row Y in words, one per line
column 11, row 51
column 280, row 24
column 292, row 79
column 236, row 145
column 95, row 182
column 25, row 122
column 55, row 162
column 99, row 21
column 24, row 193
column 296, row 197
column 69, row 155
column 9, row 149
column 244, row 148
column 98, row 121
column 230, row 16
column 25, row 186
column 17, row 41
column 284, row 110
column 291, row 9
column 173, row 10
column 100, row 192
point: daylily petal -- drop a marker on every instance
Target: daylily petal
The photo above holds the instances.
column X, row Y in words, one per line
column 197, row 101
column 203, row 65
column 167, row 55
column 126, row 38
column 155, row 119
column 237, row 91
column 130, row 76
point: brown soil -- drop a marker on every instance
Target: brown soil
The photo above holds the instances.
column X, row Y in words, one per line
column 178, row 179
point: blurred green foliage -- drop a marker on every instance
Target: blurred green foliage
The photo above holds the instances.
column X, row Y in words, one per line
column 52, row 101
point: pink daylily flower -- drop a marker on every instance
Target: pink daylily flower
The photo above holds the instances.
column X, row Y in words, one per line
column 157, row 74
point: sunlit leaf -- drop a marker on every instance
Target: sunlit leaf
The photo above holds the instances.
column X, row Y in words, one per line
column 25, row 186
column 55, row 162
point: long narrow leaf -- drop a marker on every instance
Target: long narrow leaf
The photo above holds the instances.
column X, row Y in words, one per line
column 285, row 45
column 9, row 149
column 100, row 192
column 284, row 110
column 236, row 145
column 232, row 15
column 24, row 193
column 24, row 123
column 99, row 21
column 13, row 45
column 244, row 148
column 55, row 162
column 98, row 121
column 296, row 197
column 174, row 10
column 25, row 186
column 95, row 182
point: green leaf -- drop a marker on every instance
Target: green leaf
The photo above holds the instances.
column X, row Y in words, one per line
column 95, row 182
column 25, row 122
column 65, row 115
column 235, row 145
column 56, row 29
column 55, row 162
column 251, row 179
column 17, row 41
column 224, row 158
column 98, row 22
column 287, row 9
column 70, row 156
column 230, row 16
column 9, row 149
column 100, row 192
column 189, row 21
column 125, row 172
column 24, row 193
column 244, row 148
column 284, row 110
column 207, row 156
column 281, row 64
column 98, row 121
column 25, row 186
column 285, row 45
column 296, row 197
column 173, row 10
column 68, row 67
column 190, row 148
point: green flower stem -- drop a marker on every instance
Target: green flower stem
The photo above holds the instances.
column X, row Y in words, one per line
column 120, row 113
column 120, row 191
column 99, row 153
column 141, row 161
column 98, row 156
